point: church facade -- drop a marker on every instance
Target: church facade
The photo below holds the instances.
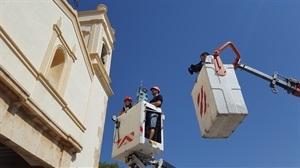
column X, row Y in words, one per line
column 54, row 83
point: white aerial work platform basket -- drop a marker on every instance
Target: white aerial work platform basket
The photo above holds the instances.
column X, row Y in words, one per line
column 130, row 135
column 218, row 102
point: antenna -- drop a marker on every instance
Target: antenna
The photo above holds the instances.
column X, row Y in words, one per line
column 141, row 83
column 75, row 2
column 142, row 93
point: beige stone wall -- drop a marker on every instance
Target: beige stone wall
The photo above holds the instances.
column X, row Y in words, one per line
column 53, row 124
column 27, row 135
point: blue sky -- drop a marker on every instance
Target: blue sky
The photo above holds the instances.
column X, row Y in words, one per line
column 156, row 41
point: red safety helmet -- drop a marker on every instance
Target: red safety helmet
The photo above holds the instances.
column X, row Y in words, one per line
column 127, row 98
column 155, row 87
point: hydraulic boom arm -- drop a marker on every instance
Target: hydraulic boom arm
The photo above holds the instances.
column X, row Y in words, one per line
column 292, row 86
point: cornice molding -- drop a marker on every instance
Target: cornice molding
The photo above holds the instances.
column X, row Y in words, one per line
column 22, row 100
column 61, row 101
column 72, row 15
column 106, row 29
column 102, row 74
column 41, row 78
column 64, row 43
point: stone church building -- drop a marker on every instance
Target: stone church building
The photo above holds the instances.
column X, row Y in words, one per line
column 54, row 83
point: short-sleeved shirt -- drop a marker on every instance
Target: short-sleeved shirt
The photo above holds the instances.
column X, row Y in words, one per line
column 157, row 98
column 126, row 108
column 209, row 59
column 198, row 66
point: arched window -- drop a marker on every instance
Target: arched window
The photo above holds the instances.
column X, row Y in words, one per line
column 104, row 54
column 56, row 68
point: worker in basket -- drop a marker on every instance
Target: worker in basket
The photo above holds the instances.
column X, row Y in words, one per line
column 127, row 105
column 152, row 117
column 205, row 58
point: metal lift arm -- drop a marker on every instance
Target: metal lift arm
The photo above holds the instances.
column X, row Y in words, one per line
column 292, row 86
column 138, row 161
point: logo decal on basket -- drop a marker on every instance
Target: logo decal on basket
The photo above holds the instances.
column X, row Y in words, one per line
column 201, row 100
column 125, row 140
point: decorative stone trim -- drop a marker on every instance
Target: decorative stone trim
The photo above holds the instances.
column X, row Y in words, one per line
column 106, row 30
column 64, row 43
column 39, row 77
column 61, row 101
column 101, row 74
column 72, row 15
column 23, row 101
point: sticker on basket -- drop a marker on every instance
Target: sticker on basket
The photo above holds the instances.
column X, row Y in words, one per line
column 153, row 143
column 123, row 141
column 202, row 104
